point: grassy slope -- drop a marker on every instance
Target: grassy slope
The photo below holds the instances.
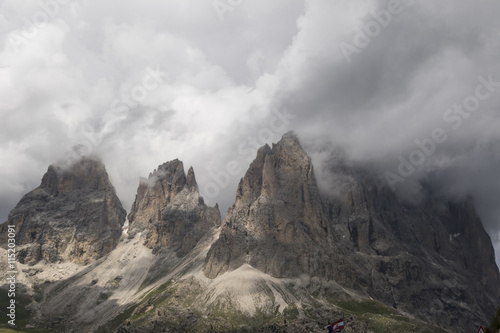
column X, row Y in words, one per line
column 169, row 298
column 381, row 317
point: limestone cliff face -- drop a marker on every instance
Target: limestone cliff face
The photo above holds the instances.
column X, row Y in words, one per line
column 74, row 215
column 169, row 210
column 277, row 217
column 432, row 259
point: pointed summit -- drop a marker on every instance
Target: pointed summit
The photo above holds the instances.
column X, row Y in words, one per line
column 169, row 210
column 191, row 179
column 290, row 138
column 289, row 146
column 282, row 208
column 160, row 189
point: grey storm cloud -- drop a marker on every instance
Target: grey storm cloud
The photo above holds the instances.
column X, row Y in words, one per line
column 73, row 73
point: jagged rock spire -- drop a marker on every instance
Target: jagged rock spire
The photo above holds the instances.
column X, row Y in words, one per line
column 170, row 211
column 283, row 217
column 191, row 180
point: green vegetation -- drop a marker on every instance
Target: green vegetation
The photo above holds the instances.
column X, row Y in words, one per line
column 117, row 321
column 167, row 298
column 159, row 295
column 494, row 323
column 381, row 317
column 163, row 303
column 237, row 318
column 291, row 312
column 22, row 315
column 16, row 330
column 367, row 306
column 154, row 297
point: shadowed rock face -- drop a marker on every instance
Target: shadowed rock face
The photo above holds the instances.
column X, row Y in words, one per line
column 432, row 259
column 170, row 211
column 74, row 215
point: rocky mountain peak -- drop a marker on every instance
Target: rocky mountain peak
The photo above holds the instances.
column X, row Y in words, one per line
column 73, row 215
column 171, row 176
column 364, row 238
column 290, row 141
column 191, row 180
column 169, row 210
column 277, row 207
column 87, row 173
column 283, row 245
column 287, row 157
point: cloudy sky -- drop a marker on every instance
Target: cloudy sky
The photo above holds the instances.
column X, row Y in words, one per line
column 409, row 87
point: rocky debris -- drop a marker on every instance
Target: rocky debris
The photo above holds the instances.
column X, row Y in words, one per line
column 74, row 215
column 180, row 308
column 169, row 210
column 32, row 271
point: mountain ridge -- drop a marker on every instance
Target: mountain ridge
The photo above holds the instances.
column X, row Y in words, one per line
column 285, row 251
